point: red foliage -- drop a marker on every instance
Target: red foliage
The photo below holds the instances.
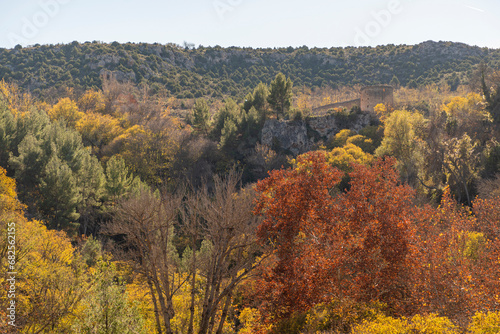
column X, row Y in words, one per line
column 370, row 243
column 329, row 244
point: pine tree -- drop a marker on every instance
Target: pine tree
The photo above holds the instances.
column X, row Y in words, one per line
column 280, row 97
column 201, row 116
column 61, row 196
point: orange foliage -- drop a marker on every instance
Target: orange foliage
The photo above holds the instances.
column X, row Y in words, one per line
column 330, row 245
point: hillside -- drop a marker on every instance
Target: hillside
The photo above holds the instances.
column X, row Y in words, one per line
column 187, row 72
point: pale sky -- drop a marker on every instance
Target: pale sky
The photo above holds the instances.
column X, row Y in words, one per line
column 254, row 23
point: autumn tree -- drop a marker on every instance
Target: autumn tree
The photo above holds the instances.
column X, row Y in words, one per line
column 146, row 223
column 106, row 307
column 229, row 229
column 65, row 110
column 50, row 280
column 461, row 162
column 456, row 273
column 401, row 140
column 330, row 245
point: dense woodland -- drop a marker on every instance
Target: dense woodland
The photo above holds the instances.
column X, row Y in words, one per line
column 146, row 203
column 192, row 72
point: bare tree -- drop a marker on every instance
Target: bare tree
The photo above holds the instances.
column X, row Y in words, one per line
column 146, row 224
column 228, row 224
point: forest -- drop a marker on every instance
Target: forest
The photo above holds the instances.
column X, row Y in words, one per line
column 131, row 206
column 192, row 72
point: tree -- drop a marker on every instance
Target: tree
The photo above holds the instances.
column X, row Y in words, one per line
column 201, row 116
column 394, row 81
column 258, row 99
column 65, row 110
column 50, row 280
column 330, row 245
column 344, row 157
column 461, row 159
column 229, row 230
column 61, row 195
column 7, row 132
column 98, row 130
column 91, row 180
column 118, row 180
column 106, row 308
column 146, row 223
column 280, row 96
column 92, row 101
column 401, row 138
column 230, row 112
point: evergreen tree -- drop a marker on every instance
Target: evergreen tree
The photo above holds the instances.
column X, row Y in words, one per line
column 61, row 196
column 7, row 132
column 201, row 116
column 394, row 81
column 118, row 181
column 107, row 308
column 280, row 96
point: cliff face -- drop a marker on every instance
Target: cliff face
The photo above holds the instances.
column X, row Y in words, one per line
column 301, row 136
column 286, row 135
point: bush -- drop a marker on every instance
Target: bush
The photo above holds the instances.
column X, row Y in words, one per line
column 427, row 324
column 485, row 323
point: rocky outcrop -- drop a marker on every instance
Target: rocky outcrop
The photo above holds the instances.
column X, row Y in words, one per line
column 286, row 135
column 301, row 136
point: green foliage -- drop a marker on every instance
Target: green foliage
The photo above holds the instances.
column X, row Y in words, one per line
column 91, row 251
column 280, row 95
column 7, row 132
column 234, row 70
column 230, row 112
column 118, row 180
column 366, row 144
column 106, row 309
column 491, row 160
column 61, row 195
column 51, row 162
column 201, row 116
column 258, row 99
column 401, row 141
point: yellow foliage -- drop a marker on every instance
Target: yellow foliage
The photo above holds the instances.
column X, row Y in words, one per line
column 341, row 137
column 67, row 110
column 381, row 111
column 483, row 323
column 48, row 279
column 8, row 195
column 459, row 104
column 303, row 102
column 98, row 129
column 17, row 102
column 428, row 324
column 251, row 318
column 92, row 101
column 343, row 157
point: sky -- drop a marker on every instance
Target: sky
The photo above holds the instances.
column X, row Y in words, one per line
column 251, row 23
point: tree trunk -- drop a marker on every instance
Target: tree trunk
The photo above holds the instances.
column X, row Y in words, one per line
column 224, row 314
column 193, row 287
column 155, row 304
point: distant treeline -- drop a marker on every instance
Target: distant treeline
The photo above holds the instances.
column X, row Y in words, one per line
column 188, row 72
